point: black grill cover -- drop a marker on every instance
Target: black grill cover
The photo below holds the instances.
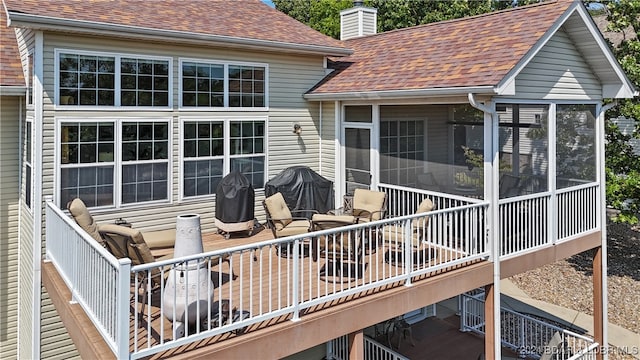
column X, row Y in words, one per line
column 235, row 199
column 302, row 189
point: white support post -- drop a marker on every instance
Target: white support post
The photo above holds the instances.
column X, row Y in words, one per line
column 122, row 309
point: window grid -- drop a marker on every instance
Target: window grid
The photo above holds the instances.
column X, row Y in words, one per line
column 222, row 85
column 89, row 159
column 145, row 158
column 144, row 82
column 90, row 80
column 202, row 84
column 86, row 80
column 402, row 150
column 30, row 75
column 87, row 162
column 203, row 147
column 206, row 159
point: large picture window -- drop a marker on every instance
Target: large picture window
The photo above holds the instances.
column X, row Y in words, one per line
column 212, row 84
column 91, row 157
column 213, row 148
column 86, row 79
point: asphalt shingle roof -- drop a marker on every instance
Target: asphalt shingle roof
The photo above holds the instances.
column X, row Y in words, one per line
column 467, row 52
column 10, row 66
column 244, row 19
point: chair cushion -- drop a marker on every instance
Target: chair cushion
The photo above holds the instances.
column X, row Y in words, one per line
column 421, row 223
column 296, row 227
column 160, row 239
column 129, row 239
column 83, row 218
column 326, row 221
column 278, row 210
column 370, row 201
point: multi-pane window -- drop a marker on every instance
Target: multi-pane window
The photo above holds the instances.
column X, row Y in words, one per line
column 30, row 75
column 90, row 80
column 246, row 86
column 144, row 82
column 145, row 161
column 207, row 159
column 401, row 151
column 247, row 150
column 91, row 158
column 202, row 84
column 87, row 162
column 204, row 157
column 87, row 80
column 222, row 85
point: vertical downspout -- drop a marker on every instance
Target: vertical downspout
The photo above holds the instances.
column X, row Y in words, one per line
column 603, row 221
column 36, row 199
column 20, row 214
column 337, row 170
column 493, row 229
column 320, row 139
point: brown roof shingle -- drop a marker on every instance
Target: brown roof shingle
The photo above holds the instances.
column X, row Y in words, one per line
column 467, row 52
column 10, row 66
column 244, row 19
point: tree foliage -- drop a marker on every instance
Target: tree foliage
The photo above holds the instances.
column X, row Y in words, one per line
column 324, row 15
column 622, row 166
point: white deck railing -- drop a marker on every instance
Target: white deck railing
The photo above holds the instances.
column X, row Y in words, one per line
column 269, row 287
column 338, row 349
column 531, row 221
column 523, row 334
column 98, row 281
column 275, row 286
column 578, row 210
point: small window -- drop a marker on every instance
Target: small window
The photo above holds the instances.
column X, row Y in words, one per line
column 28, row 162
column 30, row 75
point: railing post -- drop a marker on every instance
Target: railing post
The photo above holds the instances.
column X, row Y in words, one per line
column 122, row 309
column 407, row 247
column 296, row 278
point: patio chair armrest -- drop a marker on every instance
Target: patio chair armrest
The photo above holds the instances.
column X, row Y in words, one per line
column 366, row 214
column 117, row 229
column 293, row 212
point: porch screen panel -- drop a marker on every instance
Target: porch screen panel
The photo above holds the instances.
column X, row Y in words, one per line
column 402, row 151
column 523, row 143
column 576, row 150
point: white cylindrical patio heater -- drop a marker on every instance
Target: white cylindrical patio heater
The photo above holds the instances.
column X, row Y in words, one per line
column 189, row 287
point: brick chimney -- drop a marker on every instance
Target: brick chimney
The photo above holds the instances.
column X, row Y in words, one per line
column 357, row 21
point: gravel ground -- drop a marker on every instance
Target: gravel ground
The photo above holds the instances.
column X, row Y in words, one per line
column 568, row 283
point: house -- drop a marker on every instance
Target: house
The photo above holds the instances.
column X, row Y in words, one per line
column 140, row 108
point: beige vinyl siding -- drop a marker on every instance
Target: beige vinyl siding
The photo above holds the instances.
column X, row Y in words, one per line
column 25, row 330
column 289, row 77
column 9, row 212
column 558, row 71
column 328, row 141
column 56, row 344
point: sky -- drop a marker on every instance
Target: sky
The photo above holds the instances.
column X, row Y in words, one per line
column 268, row 2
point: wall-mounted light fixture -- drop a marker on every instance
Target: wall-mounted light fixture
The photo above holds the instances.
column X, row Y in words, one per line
column 297, row 129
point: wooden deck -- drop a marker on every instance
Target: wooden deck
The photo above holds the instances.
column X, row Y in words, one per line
column 265, row 285
column 318, row 324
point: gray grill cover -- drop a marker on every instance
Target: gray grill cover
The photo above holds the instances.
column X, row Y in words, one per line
column 302, row 189
column 235, row 199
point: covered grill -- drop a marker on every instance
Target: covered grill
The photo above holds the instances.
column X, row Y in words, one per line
column 302, row 189
column 234, row 204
